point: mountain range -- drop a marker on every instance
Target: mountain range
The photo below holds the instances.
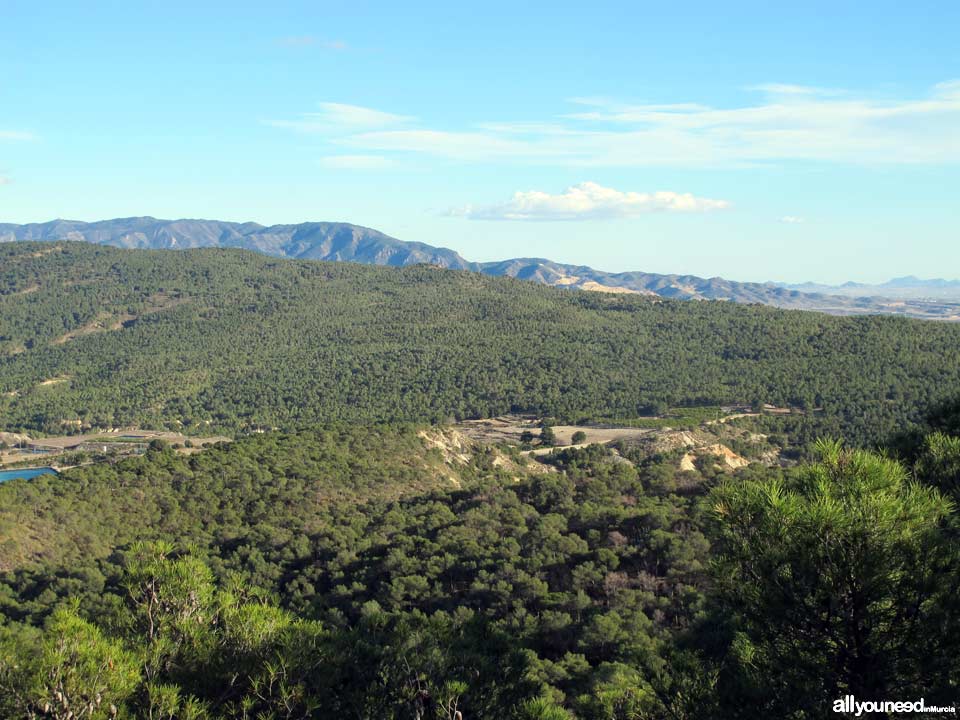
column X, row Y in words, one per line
column 344, row 242
column 908, row 286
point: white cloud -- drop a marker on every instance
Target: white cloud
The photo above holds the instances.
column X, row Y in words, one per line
column 788, row 89
column 791, row 219
column 16, row 135
column 357, row 116
column 589, row 201
column 5, row 180
column 337, row 118
column 788, row 123
column 356, row 162
column 949, row 90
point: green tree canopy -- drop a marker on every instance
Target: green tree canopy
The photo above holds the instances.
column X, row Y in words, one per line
column 832, row 578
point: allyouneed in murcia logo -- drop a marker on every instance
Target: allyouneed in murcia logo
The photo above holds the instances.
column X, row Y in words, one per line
column 848, row 704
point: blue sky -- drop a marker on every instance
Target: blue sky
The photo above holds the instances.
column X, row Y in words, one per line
column 818, row 141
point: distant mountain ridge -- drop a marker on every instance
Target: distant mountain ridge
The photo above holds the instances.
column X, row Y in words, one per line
column 908, row 286
column 345, row 242
column 306, row 241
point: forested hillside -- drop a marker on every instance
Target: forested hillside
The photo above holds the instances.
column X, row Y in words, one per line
column 96, row 337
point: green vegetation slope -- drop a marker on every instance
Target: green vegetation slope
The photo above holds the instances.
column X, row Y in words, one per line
column 368, row 573
column 96, row 336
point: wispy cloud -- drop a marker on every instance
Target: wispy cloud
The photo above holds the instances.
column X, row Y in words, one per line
column 339, row 118
column 16, row 135
column 791, row 219
column 789, row 122
column 588, row 201
column 356, row 162
column 358, row 116
column 787, row 89
column 5, row 180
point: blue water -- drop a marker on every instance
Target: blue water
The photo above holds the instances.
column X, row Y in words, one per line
column 25, row 473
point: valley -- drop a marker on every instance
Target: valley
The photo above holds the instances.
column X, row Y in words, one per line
column 414, row 487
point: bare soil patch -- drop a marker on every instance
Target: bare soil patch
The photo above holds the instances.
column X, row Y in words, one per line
column 508, row 429
column 53, row 381
column 106, row 322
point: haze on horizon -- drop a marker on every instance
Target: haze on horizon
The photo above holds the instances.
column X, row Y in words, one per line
column 813, row 143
